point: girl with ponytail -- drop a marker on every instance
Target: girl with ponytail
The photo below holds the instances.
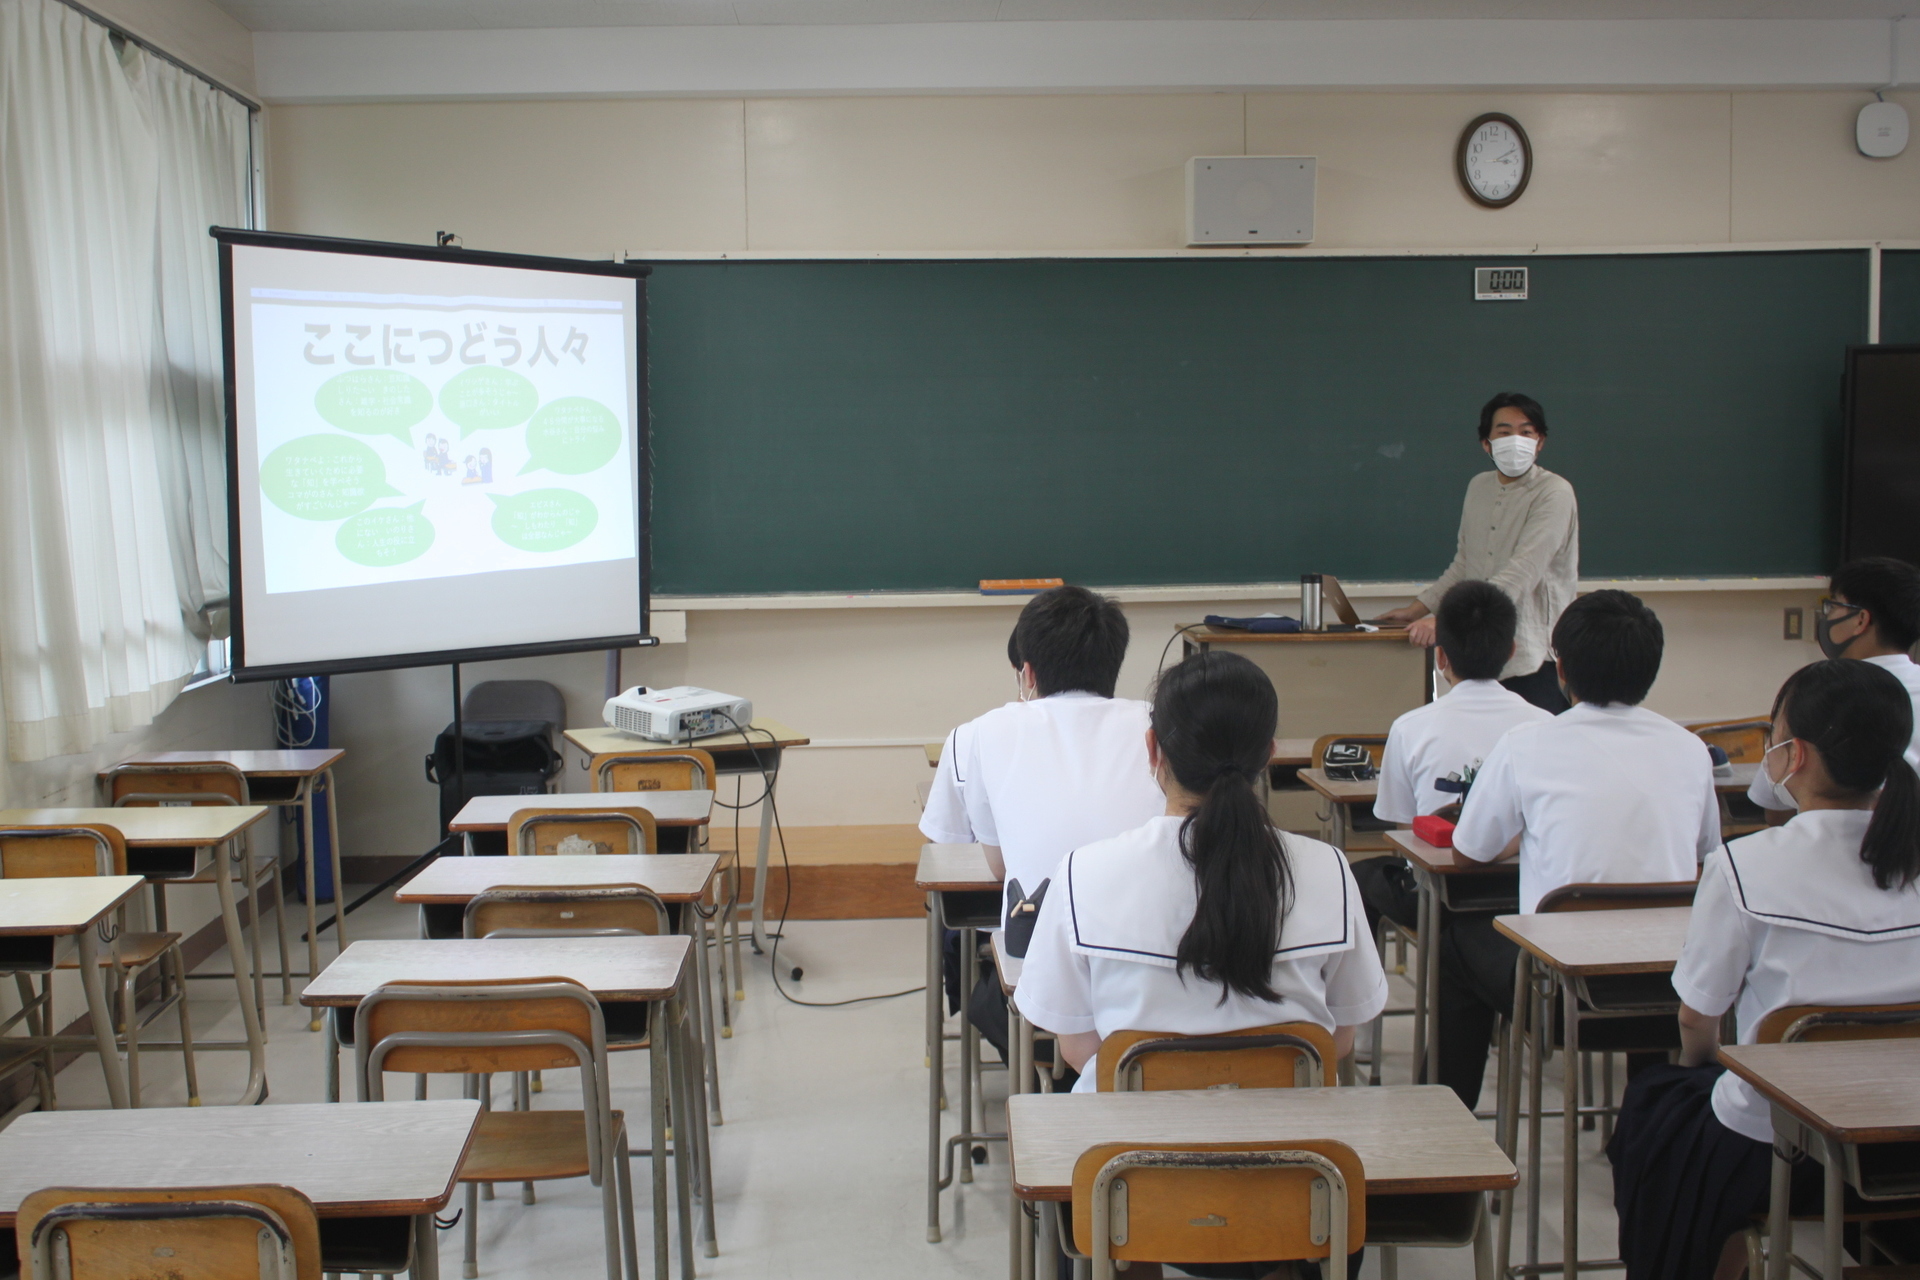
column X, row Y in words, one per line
column 1207, row 919
column 1822, row 911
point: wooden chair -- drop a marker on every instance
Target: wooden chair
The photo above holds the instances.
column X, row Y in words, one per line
column 260, row 1232
column 477, row 1029
column 1284, row 1056
column 669, row 769
column 1744, row 741
column 1891, row 1210
column 208, row 783
column 546, row 832
column 1220, row 1202
column 94, row 849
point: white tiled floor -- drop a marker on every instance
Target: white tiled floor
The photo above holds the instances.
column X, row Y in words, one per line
column 820, row 1167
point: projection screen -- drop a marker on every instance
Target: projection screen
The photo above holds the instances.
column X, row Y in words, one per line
column 433, row 455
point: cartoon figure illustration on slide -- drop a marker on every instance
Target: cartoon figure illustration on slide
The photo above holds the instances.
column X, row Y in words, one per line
column 486, row 466
column 473, row 471
column 432, row 454
column 445, row 462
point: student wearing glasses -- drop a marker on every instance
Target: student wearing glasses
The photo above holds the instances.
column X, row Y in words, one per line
column 1519, row 530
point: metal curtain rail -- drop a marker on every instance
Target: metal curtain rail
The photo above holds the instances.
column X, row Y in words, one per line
column 162, row 54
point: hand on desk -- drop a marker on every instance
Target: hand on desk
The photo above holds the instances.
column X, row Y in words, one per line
column 1421, row 632
column 1417, row 621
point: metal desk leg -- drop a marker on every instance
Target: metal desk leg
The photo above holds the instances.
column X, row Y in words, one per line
column 1482, row 1244
column 236, row 948
column 313, row 891
column 1540, row 1028
column 936, row 1066
column 95, row 986
column 339, row 884
column 760, row 874
column 1019, row 1228
column 1507, row 1126
column 969, row 1050
column 426, row 1249
column 331, row 1047
column 1833, row 1211
column 1570, row 1132
column 659, row 1074
column 1423, row 968
column 1779, row 1221
column 1430, row 994
column 685, row 1087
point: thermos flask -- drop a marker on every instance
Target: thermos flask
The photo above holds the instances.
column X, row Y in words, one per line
column 1310, row 602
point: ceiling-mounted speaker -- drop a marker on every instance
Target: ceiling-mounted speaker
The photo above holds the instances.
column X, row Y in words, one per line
column 1881, row 130
column 1250, row 200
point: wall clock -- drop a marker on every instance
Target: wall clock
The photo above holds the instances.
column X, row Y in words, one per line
column 1494, row 160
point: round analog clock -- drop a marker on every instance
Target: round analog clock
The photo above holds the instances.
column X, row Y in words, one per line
column 1494, row 160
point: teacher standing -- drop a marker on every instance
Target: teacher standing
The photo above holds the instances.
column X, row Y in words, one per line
column 1519, row 530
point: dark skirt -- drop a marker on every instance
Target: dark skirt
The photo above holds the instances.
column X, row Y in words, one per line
column 1682, row 1181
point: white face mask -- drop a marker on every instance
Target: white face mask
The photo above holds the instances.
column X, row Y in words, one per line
column 1514, row 455
column 1767, row 793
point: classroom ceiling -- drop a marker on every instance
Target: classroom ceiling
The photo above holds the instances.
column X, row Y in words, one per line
column 446, row 15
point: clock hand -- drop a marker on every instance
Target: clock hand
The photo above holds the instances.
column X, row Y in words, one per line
column 1503, row 155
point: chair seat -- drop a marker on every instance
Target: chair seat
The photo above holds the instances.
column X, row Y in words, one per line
column 528, row 1146
column 130, row 950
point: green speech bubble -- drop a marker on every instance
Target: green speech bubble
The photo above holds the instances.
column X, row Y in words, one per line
column 484, row 398
column 572, row 435
column 392, row 535
column 374, row 402
column 324, row 477
column 543, row 520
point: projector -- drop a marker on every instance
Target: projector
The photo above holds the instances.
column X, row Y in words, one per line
column 679, row 714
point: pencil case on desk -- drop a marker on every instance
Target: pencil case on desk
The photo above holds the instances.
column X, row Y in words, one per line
column 1437, row 832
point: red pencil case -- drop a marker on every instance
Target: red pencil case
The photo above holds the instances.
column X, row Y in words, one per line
column 1436, row 831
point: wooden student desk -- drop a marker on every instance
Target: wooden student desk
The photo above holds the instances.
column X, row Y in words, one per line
column 1574, row 947
column 1829, row 1100
column 1412, row 1139
column 176, row 844
column 372, row 1160
column 1341, row 799
column 1447, row 882
column 733, row 753
column 615, row 970
column 669, row 808
column 286, row 778
column 964, row 894
column 34, row 916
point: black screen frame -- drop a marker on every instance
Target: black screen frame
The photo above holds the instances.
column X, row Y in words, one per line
column 240, row 672
column 1849, row 550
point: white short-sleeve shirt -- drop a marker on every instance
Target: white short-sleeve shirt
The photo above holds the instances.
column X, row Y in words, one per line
column 1042, row 778
column 1791, row 916
column 1606, row 794
column 1103, row 952
column 1768, row 794
column 1448, row 735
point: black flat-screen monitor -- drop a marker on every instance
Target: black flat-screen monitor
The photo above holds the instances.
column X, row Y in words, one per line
column 1880, row 495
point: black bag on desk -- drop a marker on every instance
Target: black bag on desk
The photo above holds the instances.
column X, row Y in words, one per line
column 503, row 758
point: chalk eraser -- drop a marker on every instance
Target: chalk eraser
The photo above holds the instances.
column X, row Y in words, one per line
column 1018, row 586
column 1436, row 831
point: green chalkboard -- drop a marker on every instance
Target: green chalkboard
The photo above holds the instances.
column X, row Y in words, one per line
column 824, row 426
column 1900, row 295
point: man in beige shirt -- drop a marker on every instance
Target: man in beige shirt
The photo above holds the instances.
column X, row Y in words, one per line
column 1520, row 530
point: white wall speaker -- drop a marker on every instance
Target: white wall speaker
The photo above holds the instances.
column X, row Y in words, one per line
column 1250, row 200
column 1881, row 130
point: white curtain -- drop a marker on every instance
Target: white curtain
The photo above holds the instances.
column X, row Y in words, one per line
column 112, row 512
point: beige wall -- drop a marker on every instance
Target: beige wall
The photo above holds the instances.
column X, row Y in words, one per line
column 1027, row 174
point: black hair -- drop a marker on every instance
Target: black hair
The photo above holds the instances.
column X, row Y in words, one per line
column 1214, row 718
column 1076, row 640
column 1859, row 717
column 1888, row 589
column 1013, row 648
column 1513, row 400
column 1475, row 624
column 1609, row 645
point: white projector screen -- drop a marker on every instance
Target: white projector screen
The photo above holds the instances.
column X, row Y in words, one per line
column 433, row 455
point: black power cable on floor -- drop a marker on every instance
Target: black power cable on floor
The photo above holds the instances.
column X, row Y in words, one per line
column 786, row 904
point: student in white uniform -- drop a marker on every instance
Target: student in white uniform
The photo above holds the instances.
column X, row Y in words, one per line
column 1604, row 793
column 1822, row 911
column 1447, row 738
column 1205, row 919
column 1871, row 613
column 1063, row 766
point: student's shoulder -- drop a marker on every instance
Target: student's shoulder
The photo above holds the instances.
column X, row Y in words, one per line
column 1316, row 859
column 1416, row 720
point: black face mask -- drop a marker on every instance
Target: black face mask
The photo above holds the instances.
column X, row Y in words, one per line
column 1823, row 635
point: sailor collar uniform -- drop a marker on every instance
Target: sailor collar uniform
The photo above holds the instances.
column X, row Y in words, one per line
column 1791, row 916
column 1103, row 955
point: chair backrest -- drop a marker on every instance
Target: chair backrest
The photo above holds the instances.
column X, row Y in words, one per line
column 1809, row 1023
column 1618, row 897
column 1744, row 741
column 514, row 909
column 678, row 769
column 260, row 1232
column 517, row 700
column 84, row 849
column 1283, row 1056
column 204, row 782
column 578, row 831
column 1375, row 743
column 1216, row 1202
column 434, row 1028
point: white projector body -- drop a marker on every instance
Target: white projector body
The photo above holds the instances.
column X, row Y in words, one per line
column 679, row 714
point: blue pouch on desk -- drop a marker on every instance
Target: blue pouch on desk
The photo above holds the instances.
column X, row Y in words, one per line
column 1266, row 623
